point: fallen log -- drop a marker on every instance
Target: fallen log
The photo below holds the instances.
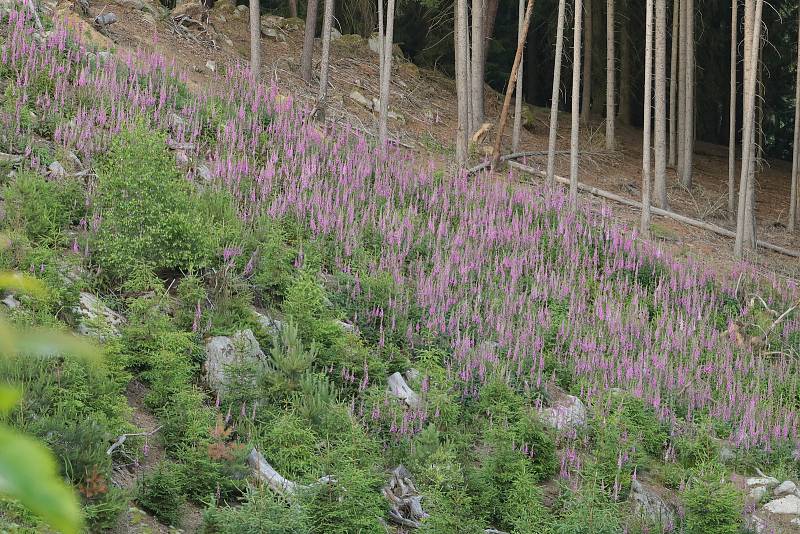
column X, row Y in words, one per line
column 655, row 211
column 267, row 474
column 400, row 389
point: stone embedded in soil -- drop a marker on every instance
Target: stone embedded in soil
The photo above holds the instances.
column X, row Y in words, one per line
column 96, row 319
column 785, row 488
column 757, row 493
column 785, row 505
column 769, row 482
column 223, row 352
column 565, row 411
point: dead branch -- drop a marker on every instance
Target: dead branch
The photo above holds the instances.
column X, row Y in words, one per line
column 121, row 440
column 267, row 474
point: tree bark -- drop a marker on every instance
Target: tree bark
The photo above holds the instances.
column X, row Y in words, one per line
column 688, row 158
column 611, row 73
column 325, row 63
column 462, row 89
column 625, row 69
column 660, row 138
column 478, row 63
column 796, row 144
column 512, row 81
column 551, row 144
column 255, row 38
column 586, row 95
column 488, row 27
column 752, row 39
column 293, row 9
column 648, row 84
column 307, row 57
column 520, row 79
column 732, row 112
column 681, row 104
column 576, row 85
column 673, row 85
column 386, row 50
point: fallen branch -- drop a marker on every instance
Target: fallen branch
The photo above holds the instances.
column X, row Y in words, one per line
column 656, row 211
column 121, row 440
column 264, row 472
column 536, row 153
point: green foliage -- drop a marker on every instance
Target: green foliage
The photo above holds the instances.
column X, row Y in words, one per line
column 305, row 305
column 149, row 214
column 289, row 361
column 291, row 447
column 442, row 482
column 161, row 492
column 213, row 472
column 262, row 511
column 522, row 509
column 588, row 510
column 43, row 208
column 273, row 269
column 713, row 505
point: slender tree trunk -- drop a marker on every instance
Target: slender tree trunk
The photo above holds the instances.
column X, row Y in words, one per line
column 688, row 159
column 255, row 38
column 576, row 87
column 520, row 80
column 386, row 49
column 751, row 48
column 468, row 59
column 732, row 112
column 648, row 106
column 660, row 139
column 462, row 89
column 551, row 144
column 625, row 68
column 478, row 63
column 586, row 95
column 611, row 73
column 673, row 85
column 512, row 81
column 488, row 26
column 325, row 63
column 681, row 141
column 307, row 57
column 796, row 144
column 293, row 9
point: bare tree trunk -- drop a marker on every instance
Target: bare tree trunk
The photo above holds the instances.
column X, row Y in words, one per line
column 586, row 95
column 462, row 88
column 648, row 103
column 625, row 68
column 796, row 144
column 551, row 144
column 611, row 73
column 732, row 113
column 293, row 9
column 520, row 80
column 386, row 49
column 752, row 39
column 673, row 86
column 478, row 63
column 471, row 127
column 576, row 87
column 681, row 141
column 688, row 159
column 488, row 26
column 307, row 57
column 325, row 63
column 660, row 139
column 255, row 38
column 512, row 81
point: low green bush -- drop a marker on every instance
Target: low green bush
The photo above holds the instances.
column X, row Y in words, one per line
column 161, row 492
column 713, row 505
column 43, row 208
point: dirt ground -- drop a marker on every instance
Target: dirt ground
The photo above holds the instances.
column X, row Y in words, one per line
column 425, row 102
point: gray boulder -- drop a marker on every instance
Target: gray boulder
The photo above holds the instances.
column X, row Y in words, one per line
column 789, row 504
column 649, row 504
column 223, row 352
column 565, row 411
column 96, row 319
column 785, row 488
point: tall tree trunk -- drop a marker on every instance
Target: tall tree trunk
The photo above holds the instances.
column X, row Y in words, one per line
column 488, row 26
column 386, row 49
column 576, row 87
column 255, row 38
column 673, row 85
column 688, row 159
column 462, row 89
column 625, row 68
column 586, row 95
column 648, row 106
column 478, row 63
column 325, row 63
column 611, row 73
column 752, row 39
column 520, row 80
column 732, row 112
column 796, row 145
column 681, row 141
column 307, row 57
column 293, row 9
column 468, row 59
column 512, row 81
column 551, row 144
column 660, row 138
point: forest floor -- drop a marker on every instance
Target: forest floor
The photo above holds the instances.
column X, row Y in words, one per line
column 425, row 102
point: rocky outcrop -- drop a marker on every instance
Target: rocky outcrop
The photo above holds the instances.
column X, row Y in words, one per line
column 96, row 319
column 223, row 352
column 564, row 411
column 648, row 503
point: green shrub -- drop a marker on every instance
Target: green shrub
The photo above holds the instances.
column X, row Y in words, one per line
column 522, row 509
column 305, row 305
column 291, row 447
column 43, row 208
column 289, row 362
column 161, row 492
column 273, row 268
column 262, row 511
column 149, row 214
column 713, row 505
column 210, row 473
column 588, row 510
